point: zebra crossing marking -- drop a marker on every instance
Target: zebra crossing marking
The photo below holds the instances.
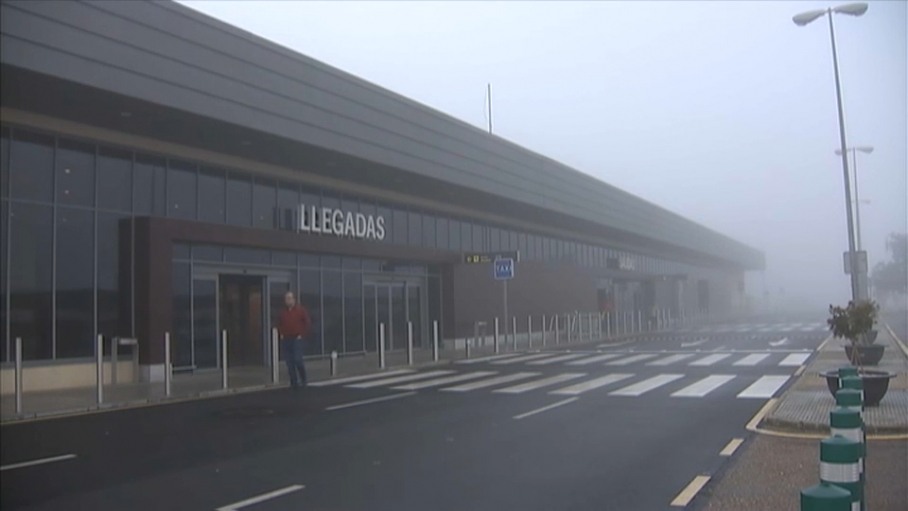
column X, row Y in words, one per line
column 487, row 359
column 525, row 358
column 560, row 358
column 709, row 360
column 399, row 379
column 704, row 386
column 795, row 359
column 592, row 360
column 752, row 359
column 671, row 359
column 630, row 360
column 595, row 383
column 764, row 387
column 646, row 385
column 552, row 380
column 352, row 379
column 444, row 380
column 507, row 378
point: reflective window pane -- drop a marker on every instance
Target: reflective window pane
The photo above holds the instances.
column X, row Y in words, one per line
column 353, row 312
column 247, row 255
column 205, row 322
column 239, row 199
column 264, row 202
column 288, row 203
column 208, row 253
column 466, row 237
column 181, row 336
column 454, row 235
column 310, row 297
column 308, row 261
column 75, row 166
column 75, row 283
column 428, row 231
column 441, row 233
column 114, row 282
column 212, row 195
column 180, row 251
column 400, row 229
column 386, row 216
column 30, row 278
column 4, row 164
column 181, row 190
column 415, row 226
column 149, row 178
column 115, row 180
column 479, row 237
column 495, row 239
column 280, row 258
column 31, row 167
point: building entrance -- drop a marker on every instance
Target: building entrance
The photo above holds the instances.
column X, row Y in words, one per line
column 394, row 304
column 242, row 315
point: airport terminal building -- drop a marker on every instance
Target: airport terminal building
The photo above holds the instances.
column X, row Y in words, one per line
column 163, row 171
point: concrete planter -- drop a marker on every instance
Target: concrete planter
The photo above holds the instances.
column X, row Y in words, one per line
column 876, row 384
column 868, row 355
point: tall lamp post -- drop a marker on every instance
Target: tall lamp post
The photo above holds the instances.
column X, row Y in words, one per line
column 802, row 19
column 857, row 199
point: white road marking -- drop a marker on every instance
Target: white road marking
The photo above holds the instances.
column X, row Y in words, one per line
column 261, row 498
column 731, row 447
column 370, row 401
column 525, row 358
column 629, row 360
column 531, row 385
column 765, row 387
column 669, row 360
column 41, row 461
column 758, row 417
column 752, row 359
column 546, row 408
column 592, row 360
column 561, row 358
column 487, row 359
column 795, row 359
column 647, row 385
column 444, row 381
column 709, row 360
column 352, row 379
column 595, row 383
column 688, row 493
column 694, row 343
column 704, row 386
column 507, row 378
column 781, row 342
column 399, row 379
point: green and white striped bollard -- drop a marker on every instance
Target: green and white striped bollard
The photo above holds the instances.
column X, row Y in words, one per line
column 825, row 497
column 840, row 465
column 855, row 383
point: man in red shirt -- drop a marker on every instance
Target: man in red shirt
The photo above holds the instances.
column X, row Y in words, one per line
column 293, row 326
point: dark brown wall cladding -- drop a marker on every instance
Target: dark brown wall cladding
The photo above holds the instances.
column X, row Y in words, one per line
column 154, row 241
column 537, row 288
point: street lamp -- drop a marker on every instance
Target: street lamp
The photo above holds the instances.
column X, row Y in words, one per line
column 802, row 19
column 857, row 200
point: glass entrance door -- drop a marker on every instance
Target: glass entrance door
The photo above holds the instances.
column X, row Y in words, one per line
column 393, row 303
column 277, row 288
column 242, row 315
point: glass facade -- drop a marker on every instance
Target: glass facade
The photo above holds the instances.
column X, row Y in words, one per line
column 66, row 203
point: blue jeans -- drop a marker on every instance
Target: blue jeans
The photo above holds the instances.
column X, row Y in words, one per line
column 293, row 356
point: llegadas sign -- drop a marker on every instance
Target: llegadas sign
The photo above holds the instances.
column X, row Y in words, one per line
column 317, row 220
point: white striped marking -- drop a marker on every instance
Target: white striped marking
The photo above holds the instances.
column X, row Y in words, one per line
column 704, row 386
column 507, row 378
column 41, row 461
column 525, row 358
column 795, row 359
column 630, row 360
column 592, row 360
column 399, row 379
column 647, row 385
column 595, row 383
column 370, row 401
column 689, row 492
column 561, row 358
column 752, row 360
column 352, row 379
column 545, row 408
column 531, row 385
column 487, row 359
column 444, row 381
column 731, row 447
column 261, row 498
column 710, row 360
column 669, row 360
column 766, row 386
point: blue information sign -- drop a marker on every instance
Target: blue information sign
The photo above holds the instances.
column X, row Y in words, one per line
column 504, row 269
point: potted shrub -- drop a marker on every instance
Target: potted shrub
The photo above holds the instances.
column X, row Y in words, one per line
column 855, row 323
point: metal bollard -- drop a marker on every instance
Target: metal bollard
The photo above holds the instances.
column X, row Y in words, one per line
column 825, row 497
column 570, row 327
column 333, row 363
column 608, row 324
column 99, row 369
column 514, row 331
column 589, row 319
column 840, row 465
column 114, row 357
column 543, row 330
column 557, row 331
column 633, row 323
column 223, row 359
column 495, row 340
column 18, row 376
column 168, row 367
column 409, row 343
column 529, row 331
column 275, row 357
column 435, row 340
column 381, row 345
column 639, row 321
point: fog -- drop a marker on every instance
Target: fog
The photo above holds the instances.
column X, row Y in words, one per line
column 723, row 112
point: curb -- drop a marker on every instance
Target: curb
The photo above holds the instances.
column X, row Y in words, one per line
column 873, row 432
column 898, row 341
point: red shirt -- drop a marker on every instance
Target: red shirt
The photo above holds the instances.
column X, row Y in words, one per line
column 294, row 322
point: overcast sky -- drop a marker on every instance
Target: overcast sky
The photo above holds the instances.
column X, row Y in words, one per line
column 721, row 111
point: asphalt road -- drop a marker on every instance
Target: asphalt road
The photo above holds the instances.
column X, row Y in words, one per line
column 606, row 427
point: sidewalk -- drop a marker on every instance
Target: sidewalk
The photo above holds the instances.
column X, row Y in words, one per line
column 805, row 406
